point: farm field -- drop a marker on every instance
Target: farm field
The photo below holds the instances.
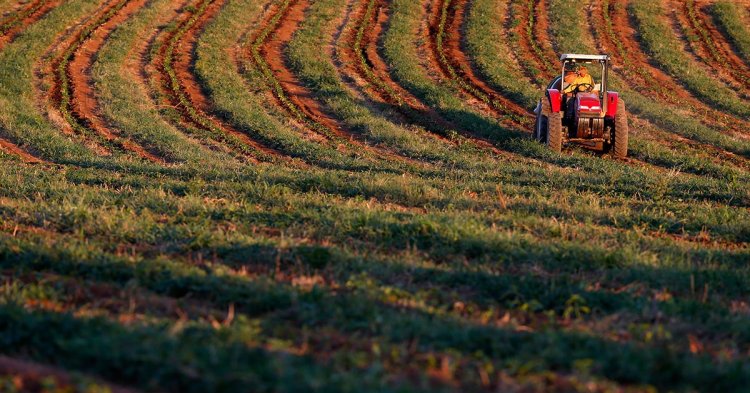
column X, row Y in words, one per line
column 345, row 196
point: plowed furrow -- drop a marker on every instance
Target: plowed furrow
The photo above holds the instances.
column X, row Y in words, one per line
column 290, row 93
column 66, row 79
column 268, row 53
column 441, row 21
column 361, row 61
column 83, row 100
column 174, row 63
column 10, row 28
column 543, row 45
column 609, row 33
column 709, row 42
column 615, row 29
column 17, row 21
column 459, row 66
column 530, row 54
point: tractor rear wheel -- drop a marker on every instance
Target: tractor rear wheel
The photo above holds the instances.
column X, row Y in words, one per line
column 554, row 131
column 540, row 127
column 620, row 134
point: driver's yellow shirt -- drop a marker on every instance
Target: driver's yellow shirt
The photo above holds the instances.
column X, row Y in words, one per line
column 580, row 80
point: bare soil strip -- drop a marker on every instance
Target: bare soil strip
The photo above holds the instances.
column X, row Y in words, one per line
column 175, row 61
column 55, row 72
column 10, row 28
column 540, row 36
column 20, row 18
column 714, row 50
column 636, row 69
column 84, row 100
column 361, row 61
column 528, row 49
column 441, row 21
column 614, row 36
column 455, row 60
column 31, row 377
column 291, row 94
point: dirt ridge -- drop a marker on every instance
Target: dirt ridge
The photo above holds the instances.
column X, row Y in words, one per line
column 10, row 28
column 84, row 100
column 174, row 63
column 361, row 61
column 639, row 72
column 460, row 65
column 634, row 68
column 712, row 44
column 292, row 95
column 525, row 33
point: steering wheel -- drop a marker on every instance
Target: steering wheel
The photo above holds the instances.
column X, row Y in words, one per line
column 584, row 88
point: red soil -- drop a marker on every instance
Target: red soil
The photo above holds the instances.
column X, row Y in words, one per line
column 39, row 11
column 525, row 46
column 638, row 71
column 301, row 98
column 84, row 101
column 50, row 86
column 632, row 64
column 374, row 78
column 715, row 46
column 541, row 32
column 189, row 85
column 28, row 376
column 435, row 64
column 463, row 65
column 273, row 53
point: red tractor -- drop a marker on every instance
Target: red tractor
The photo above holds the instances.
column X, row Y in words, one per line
column 577, row 109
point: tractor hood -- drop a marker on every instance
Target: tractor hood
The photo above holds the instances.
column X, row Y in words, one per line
column 588, row 103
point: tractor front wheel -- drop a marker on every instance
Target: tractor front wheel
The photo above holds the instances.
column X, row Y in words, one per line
column 554, row 131
column 540, row 127
column 620, row 134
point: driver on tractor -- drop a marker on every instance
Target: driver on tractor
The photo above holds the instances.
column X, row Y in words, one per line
column 578, row 77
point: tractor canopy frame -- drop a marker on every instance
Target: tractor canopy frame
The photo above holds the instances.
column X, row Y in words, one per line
column 603, row 60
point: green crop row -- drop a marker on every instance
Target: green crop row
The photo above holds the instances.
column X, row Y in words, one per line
column 704, row 35
column 728, row 16
column 128, row 105
column 242, row 101
column 491, row 54
column 20, row 118
column 359, row 52
column 508, row 114
column 257, row 297
column 183, row 101
column 319, row 73
column 531, row 8
column 663, row 46
column 63, row 77
column 276, row 86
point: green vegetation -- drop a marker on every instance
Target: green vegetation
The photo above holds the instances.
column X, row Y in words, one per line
column 393, row 261
column 125, row 103
column 728, row 16
column 492, row 55
column 665, row 49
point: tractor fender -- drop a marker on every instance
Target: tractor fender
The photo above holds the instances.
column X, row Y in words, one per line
column 612, row 98
column 555, row 100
